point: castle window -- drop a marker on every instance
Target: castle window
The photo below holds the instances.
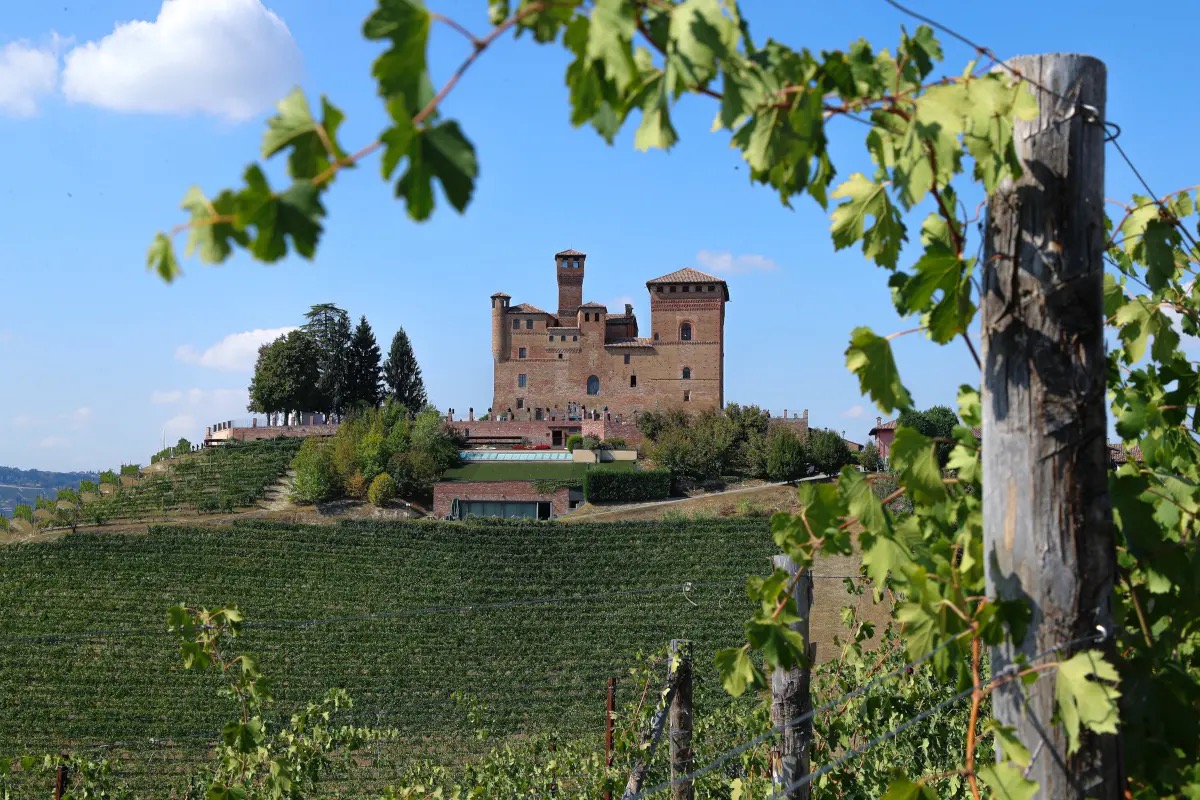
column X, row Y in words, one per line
column 656, row 336
column 593, row 385
column 587, row 317
column 521, row 352
column 672, row 288
column 562, row 338
column 520, row 402
column 627, row 358
column 521, row 381
column 658, row 289
column 560, row 355
column 687, row 397
column 712, row 288
column 516, row 324
column 574, row 338
column 528, row 324
column 685, row 332
column 687, row 374
column 577, row 263
column 633, row 381
column 537, row 413
column 687, row 288
column 552, row 337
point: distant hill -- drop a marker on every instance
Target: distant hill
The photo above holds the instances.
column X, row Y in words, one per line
column 26, row 485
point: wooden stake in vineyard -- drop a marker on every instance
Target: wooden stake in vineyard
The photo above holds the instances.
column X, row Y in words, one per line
column 791, row 696
column 679, row 722
column 611, row 710
column 1048, row 530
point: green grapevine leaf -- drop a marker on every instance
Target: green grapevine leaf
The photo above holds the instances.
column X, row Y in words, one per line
column 213, row 228
column 864, row 197
column 915, row 458
column 440, row 152
column 610, row 40
column 161, row 258
column 869, row 356
column 738, row 672
column 901, row 788
column 401, row 70
column 1086, row 695
column 1007, row 782
column 314, row 144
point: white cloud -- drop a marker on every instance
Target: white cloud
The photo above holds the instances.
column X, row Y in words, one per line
column 79, row 416
column 237, row 352
column 165, row 398
column 229, row 58
column 195, row 409
column 27, row 74
column 53, row 441
column 854, row 412
column 724, row 262
column 181, row 426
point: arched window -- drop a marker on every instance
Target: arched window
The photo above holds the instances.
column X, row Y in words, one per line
column 687, row 373
column 685, row 332
column 593, row 385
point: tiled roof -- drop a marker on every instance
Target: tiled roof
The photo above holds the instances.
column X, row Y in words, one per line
column 686, row 275
column 890, row 425
column 525, row 308
column 619, row 318
column 570, row 253
column 1119, row 454
column 565, row 328
column 638, row 342
column 593, row 305
column 501, row 294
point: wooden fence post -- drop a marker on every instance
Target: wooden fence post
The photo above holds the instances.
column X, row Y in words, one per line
column 1048, row 531
column 611, row 707
column 791, row 696
column 60, row 782
column 680, row 720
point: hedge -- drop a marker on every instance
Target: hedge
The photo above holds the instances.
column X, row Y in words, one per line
column 600, row 484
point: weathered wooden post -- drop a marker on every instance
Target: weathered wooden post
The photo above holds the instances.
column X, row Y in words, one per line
column 1048, row 531
column 791, row 696
column 611, row 707
column 680, row 720
column 60, row 781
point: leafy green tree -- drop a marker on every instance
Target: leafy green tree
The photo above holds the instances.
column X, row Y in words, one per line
column 383, row 490
column 316, row 477
column 936, row 422
column 364, row 374
column 748, row 420
column 827, row 451
column 402, row 374
column 870, row 459
column 285, row 376
column 329, row 327
column 787, row 459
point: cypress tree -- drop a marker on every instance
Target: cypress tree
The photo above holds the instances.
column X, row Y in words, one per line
column 329, row 326
column 402, row 374
column 363, row 371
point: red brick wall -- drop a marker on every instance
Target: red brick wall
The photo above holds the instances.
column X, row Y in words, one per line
column 515, row 491
column 254, row 434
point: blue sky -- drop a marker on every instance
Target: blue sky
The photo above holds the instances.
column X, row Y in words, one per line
column 107, row 124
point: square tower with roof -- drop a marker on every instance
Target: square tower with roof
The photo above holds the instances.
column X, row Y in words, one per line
column 584, row 359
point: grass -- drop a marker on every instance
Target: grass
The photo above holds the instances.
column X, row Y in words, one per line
column 525, row 470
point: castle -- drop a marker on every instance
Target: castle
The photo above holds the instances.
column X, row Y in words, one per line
column 582, row 360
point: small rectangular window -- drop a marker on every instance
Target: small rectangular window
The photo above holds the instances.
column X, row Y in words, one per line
column 672, row 288
column 516, row 324
column 560, row 355
column 687, row 397
column 528, row 324
column 520, row 402
column 627, row 358
column 537, row 413
column 574, row 338
column 712, row 288
column 656, row 337
column 687, row 288
column 562, row 338
column 658, row 289
column 552, row 337
column 521, row 352
column 633, row 381
column 521, row 380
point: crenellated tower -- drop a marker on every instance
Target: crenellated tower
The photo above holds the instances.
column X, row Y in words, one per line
column 501, row 344
column 569, row 265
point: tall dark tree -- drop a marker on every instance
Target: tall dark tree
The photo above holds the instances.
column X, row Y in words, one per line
column 936, row 422
column 329, row 327
column 286, row 376
column 364, row 374
column 402, row 374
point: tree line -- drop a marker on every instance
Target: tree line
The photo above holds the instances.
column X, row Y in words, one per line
column 326, row 366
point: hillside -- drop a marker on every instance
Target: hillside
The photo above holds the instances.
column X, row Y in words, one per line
column 19, row 486
column 84, row 661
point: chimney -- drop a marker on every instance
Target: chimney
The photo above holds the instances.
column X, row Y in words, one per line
column 785, row 413
column 629, row 309
column 471, row 414
column 878, row 421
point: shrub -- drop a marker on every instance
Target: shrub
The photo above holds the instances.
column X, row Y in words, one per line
column 602, row 484
column 828, row 452
column 869, row 459
column 316, row 476
column 589, row 443
column 786, row 459
column 573, row 441
column 613, row 444
column 357, row 486
column 383, row 490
